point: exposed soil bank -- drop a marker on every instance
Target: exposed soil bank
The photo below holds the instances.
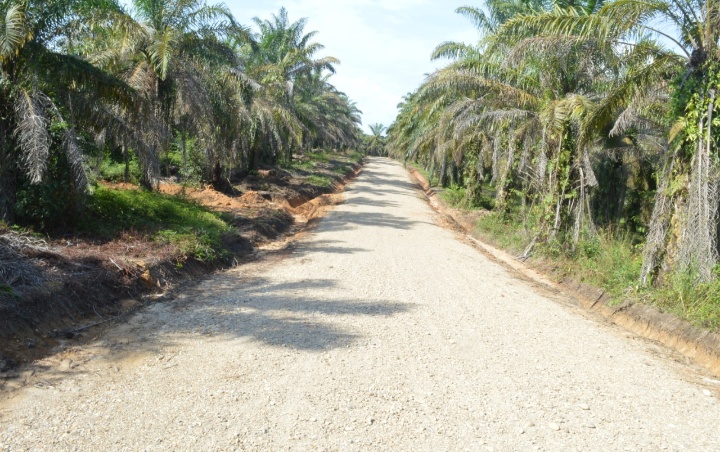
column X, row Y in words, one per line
column 699, row 345
column 83, row 284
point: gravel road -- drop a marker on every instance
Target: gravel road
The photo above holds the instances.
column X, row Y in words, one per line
column 379, row 330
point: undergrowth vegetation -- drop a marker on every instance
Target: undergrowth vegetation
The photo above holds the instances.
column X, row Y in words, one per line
column 191, row 229
column 319, row 181
column 683, row 296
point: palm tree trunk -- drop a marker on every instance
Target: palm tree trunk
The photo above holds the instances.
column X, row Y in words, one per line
column 126, row 158
column 147, row 171
column 8, row 179
column 502, row 185
column 8, row 168
column 255, row 158
column 697, row 246
column 443, row 173
column 183, row 142
column 496, row 159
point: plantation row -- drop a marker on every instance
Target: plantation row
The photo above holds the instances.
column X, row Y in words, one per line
column 91, row 89
column 591, row 128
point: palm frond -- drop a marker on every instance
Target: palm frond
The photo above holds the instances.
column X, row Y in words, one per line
column 32, row 132
column 13, row 30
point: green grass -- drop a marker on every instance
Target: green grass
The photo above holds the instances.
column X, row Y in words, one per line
column 454, row 195
column 115, row 172
column 319, row 156
column 503, row 231
column 319, row 181
column 307, row 165
column 610, row 263
column 683, row 295
column 607, row 262
column 354, row 156
column 341, row 169
column 193, row 230
column 7, row 291
column 312, row 160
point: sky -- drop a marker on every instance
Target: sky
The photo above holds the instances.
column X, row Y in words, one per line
column 384, row 46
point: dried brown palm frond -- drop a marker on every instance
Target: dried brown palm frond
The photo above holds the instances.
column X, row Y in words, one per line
column 32, row 131
column 75, row 159
column 16, row 270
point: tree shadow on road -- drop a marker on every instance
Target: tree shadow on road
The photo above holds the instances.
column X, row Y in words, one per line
column 382, row 184
column 364, row 201
column 303, row 315
column 325, row 246
column 342, row 220
column 366, row 189
column 291, row 314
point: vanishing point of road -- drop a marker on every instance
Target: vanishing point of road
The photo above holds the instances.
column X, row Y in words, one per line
column 378, row 330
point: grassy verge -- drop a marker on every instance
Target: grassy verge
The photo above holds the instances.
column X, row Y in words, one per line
column 455, row 196
column 190, row 229
column 605, row 261
column 683, row 296
column 354, row 157
column 503, row 232
column 318, row 181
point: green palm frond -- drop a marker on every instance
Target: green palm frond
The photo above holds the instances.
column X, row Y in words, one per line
column 161, row 50
column 13, row 31
column 452, row 50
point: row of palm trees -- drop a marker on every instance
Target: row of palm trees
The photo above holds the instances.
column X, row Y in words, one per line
column 80, row 78
column 581, row 114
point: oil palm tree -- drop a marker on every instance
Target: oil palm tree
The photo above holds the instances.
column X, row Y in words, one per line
column 328, row 116
column 500, row 105
column 172, row 51
column 291, row 87
column 48, row 95
column 667, row 45
column 376, row 140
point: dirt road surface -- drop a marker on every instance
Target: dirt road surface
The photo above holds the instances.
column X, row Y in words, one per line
column 380, row 330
